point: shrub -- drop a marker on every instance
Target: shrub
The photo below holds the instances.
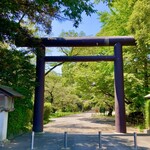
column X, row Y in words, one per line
column 19, row 121
column 47, row 111
column 135, row 118
column 87, row 106
column 18, row 73
column 147, row 114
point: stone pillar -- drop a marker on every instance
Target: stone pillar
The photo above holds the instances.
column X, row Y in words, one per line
column 3, row 125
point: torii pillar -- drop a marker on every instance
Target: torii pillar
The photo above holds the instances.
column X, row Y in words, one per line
column 39, row 91
column 120, row 117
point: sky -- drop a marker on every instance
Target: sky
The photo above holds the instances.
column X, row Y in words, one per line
column 90, row 25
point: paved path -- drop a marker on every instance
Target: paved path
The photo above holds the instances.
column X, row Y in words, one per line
column 83, row 123
column 82, row 135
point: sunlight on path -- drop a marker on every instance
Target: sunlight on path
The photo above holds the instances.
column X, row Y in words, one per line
column 82, row 123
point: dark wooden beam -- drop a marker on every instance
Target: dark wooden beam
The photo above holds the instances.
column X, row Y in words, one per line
column 78, row 58
column 77, row 41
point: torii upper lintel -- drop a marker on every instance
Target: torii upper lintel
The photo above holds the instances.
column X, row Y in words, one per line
column 77, row 41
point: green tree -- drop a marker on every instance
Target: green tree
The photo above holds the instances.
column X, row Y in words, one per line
column 131, row 18
column 139, row 25
column 81, row 76
column 94, row 82
column 18, row 73
column 16, row 14
column 61, row 97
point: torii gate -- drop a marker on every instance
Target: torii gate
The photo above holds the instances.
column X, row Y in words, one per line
column 117, row 42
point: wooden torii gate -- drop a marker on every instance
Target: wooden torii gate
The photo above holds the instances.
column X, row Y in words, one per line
column 117, row 42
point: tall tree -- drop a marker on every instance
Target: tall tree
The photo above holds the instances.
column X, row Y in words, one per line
column 125, row 18
column 139, row 25
column 18, row 73
column 16, row 14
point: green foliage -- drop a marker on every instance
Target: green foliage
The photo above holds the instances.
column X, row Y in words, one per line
column 133, row 90
column 87, row 106
column 18, row 120
column 72, row 33
column 47, row 111
column 18, row 73
column 93, row 83
column 139, row 23
column 141, row 127
column 82, row 76
column 108, row 2
column 131, row 18
column 115, row 22
column 135, row 118
column 61, row 114
column 147, row 114
column 16, row 15
column 61, row 97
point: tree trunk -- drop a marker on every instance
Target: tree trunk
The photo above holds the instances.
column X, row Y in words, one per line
column 110, row 110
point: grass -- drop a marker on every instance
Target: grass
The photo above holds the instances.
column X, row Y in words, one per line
column 141, row 127
column 101, row 115
column 61, row 114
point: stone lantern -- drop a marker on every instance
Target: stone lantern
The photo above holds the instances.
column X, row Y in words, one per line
column 7, row 96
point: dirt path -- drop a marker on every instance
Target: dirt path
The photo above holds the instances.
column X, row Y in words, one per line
column 83, row 123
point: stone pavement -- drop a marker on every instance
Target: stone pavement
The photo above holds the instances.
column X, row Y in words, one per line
column 55, row 141
column 82, row 135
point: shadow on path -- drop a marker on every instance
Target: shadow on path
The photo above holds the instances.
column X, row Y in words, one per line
column 51, row 141
column 106, row 121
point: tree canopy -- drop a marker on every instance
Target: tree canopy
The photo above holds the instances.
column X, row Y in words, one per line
column 16, row 15
column 131, row 18
column 19, row 73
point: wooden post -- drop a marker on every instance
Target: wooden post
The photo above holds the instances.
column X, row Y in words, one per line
column 39, row 91
column 120, row 117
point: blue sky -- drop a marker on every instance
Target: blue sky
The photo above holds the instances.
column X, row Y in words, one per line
column 90, row 25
